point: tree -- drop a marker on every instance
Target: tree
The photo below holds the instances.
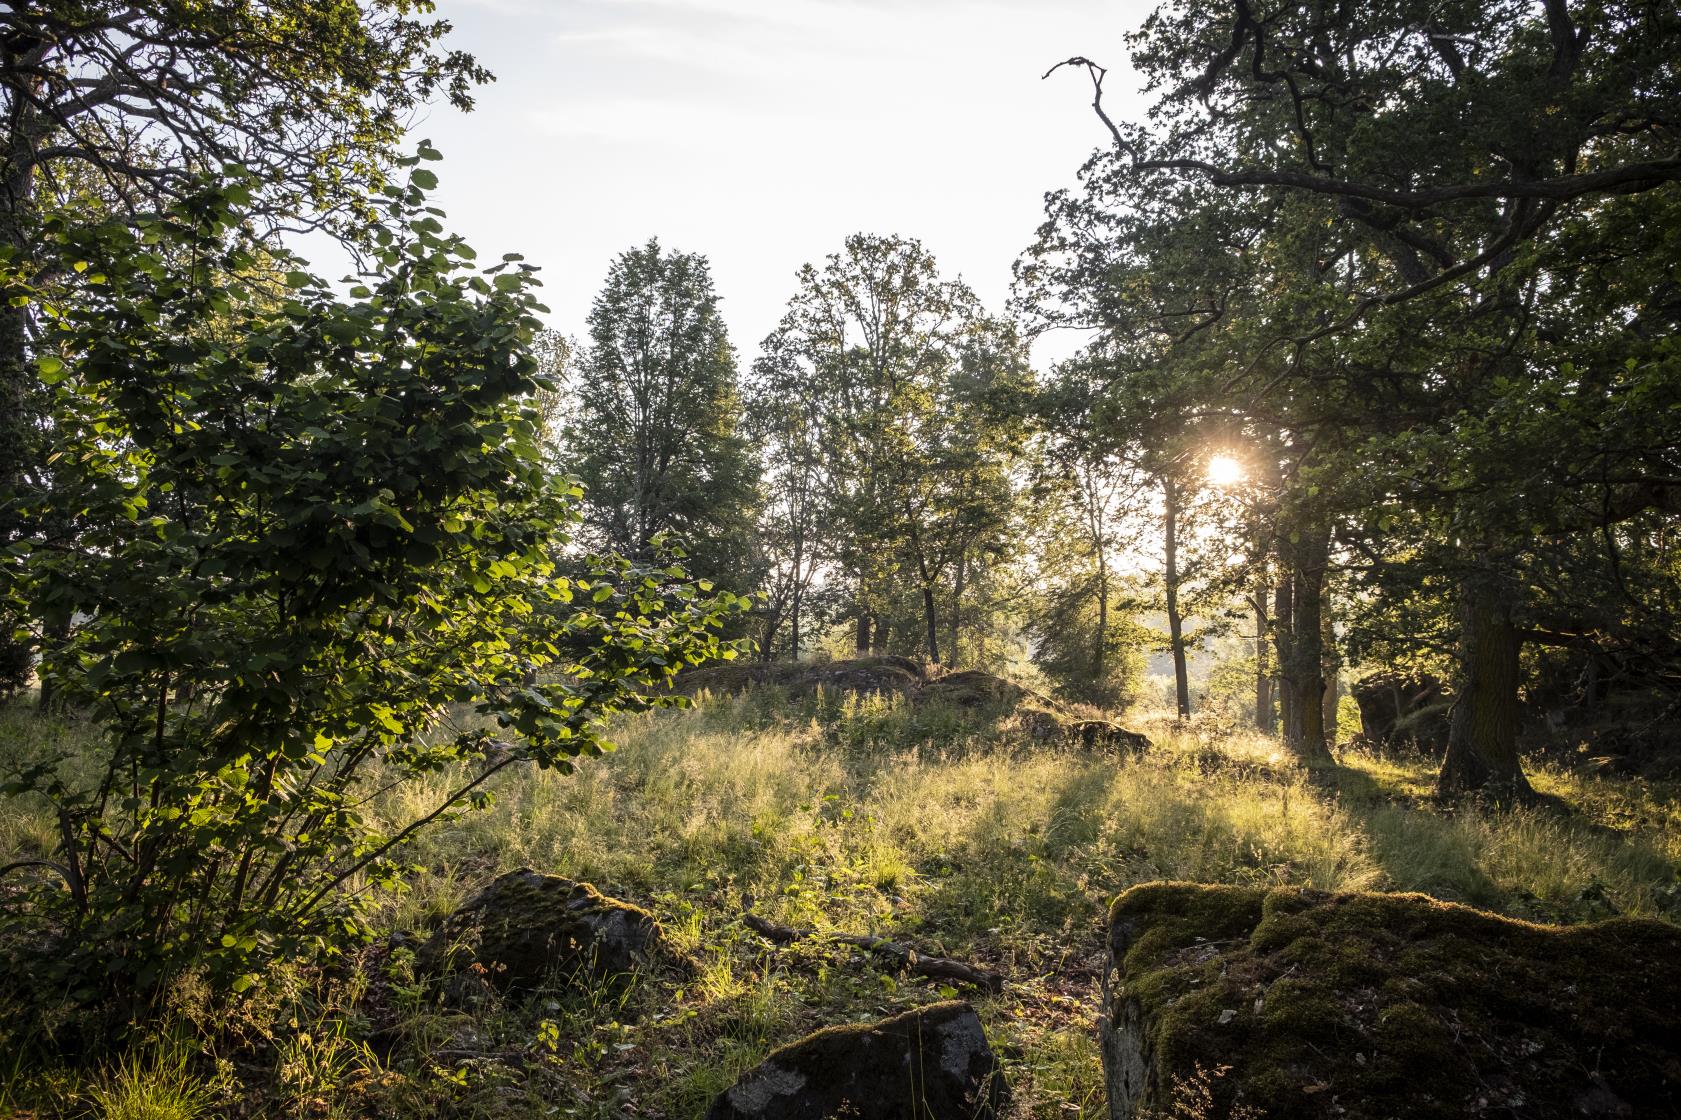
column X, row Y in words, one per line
column 910, row 386
column 1437, row 152
column 131, row 103
column 1089, row 488
column 654, row 436
column 312, row 523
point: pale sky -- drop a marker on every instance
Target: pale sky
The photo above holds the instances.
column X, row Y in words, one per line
column 762, row 132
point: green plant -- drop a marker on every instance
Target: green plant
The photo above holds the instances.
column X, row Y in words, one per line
column 152, row 1086
column 304, row 529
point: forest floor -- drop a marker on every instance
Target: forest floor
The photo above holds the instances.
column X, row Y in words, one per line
column 956, row 837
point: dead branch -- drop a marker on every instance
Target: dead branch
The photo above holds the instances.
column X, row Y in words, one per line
column 904, row 957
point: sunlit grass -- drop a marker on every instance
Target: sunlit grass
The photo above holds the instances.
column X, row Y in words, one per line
column 955, row 837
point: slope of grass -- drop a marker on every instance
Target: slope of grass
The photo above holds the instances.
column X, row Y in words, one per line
column 862, row 815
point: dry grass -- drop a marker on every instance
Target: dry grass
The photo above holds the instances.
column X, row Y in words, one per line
column 959, row 838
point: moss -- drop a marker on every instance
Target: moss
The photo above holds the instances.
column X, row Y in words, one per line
column 1377, row 1005
column 527, row 929
column 930, row 1063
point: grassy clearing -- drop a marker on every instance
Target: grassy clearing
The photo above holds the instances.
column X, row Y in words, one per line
column 861, row 815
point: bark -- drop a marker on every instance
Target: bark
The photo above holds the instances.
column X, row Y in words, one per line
column 862, row 645
column 1283, row 617
column 25, row 130
column 1101, row 648
column 1300, row 645
column 932, row 619
column 1482, row 754
column 1263, row 671
column 1170, row 578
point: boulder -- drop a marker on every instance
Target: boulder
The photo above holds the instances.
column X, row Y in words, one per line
column 527, row 929
column 932, row 1063
column 976, row 688
column 1290, row 1003
column 1398, row 710
column 1101, row 734
column 892, row 676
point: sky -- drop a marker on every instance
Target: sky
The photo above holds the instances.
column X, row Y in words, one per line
column 762, row 132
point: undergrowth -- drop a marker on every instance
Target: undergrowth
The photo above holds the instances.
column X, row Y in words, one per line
column 958, row 837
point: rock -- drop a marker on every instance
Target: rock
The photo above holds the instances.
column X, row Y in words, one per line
column 1101, row 734
column 896, row 676
column 1397, row 710
column 1296, row 1004
column 976, row 688
column 526, row 930
column 932, row 1063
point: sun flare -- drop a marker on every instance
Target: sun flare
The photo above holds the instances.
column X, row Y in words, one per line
column 1223, row 470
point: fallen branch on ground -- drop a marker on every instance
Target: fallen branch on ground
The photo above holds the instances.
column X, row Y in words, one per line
column 906, row 958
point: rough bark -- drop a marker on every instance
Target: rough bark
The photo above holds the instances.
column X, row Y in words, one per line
column 1300, row 645
column 25, row 130
column 1482, row 754
column 931, row 619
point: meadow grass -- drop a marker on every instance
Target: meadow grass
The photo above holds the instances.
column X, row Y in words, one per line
column 956, row 836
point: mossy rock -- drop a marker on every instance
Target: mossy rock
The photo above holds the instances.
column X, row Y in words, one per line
column 932, row 1063
column 976, row 688
column 894, row 676
column 527, row 930
column 1294, row 1004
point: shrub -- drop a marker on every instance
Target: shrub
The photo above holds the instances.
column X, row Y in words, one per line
column 304, row 528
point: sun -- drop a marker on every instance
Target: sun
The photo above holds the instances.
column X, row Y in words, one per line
column 1223, row 470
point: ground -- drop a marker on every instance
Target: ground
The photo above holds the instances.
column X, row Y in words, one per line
column 963, row 837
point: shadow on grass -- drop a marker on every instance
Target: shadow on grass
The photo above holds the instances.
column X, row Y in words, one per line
column 1543, row 861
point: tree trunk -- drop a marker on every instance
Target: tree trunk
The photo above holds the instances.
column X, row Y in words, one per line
column 1482, row 754
column 862, row 645
column 1170, row 578
column 1300, row 658
column 1263, row 671
column 18, row 384
column 878, row 644
column 932, row 618
column 1283, row 617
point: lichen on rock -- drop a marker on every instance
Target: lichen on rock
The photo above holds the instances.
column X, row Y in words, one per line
column 1370, row 1006
column 527, row 930
column 931, row 1063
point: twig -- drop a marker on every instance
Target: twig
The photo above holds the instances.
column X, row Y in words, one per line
column 907, row 959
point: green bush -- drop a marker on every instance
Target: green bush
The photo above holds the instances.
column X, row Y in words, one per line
column 288, row 532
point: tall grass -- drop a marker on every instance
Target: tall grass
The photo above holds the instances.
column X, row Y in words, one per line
column 958, row 836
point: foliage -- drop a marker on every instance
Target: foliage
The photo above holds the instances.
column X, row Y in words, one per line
column 895, row 399
column 653, row 437
column 871, row 817
column 304, row 527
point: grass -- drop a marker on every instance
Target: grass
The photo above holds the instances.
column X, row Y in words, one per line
column 861, row 815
